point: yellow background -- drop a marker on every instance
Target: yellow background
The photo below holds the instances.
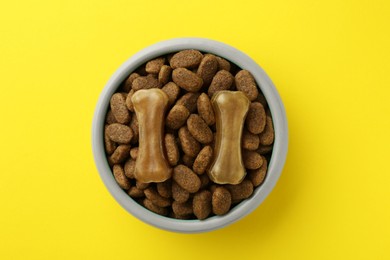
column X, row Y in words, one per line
column 329, row 60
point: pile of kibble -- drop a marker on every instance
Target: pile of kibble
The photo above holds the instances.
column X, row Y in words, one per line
column 189, row 78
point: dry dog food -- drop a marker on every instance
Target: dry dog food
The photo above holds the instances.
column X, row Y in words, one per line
column 176, row 128
column 199, row 129
column 221, row 201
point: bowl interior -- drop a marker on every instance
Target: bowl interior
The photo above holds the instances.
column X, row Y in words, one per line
column 275, row 104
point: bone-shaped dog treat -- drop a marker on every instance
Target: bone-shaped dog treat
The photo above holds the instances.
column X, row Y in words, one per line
column 230, row 108
column 151, row 164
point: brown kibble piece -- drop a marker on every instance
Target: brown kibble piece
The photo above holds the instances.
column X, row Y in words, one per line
column 165, row 188
column 188, row 160
column 165, row 74
column 120, row 154
column 246, row 83
column 188, row 144
column 141, row 185
column 264, row 149
column 155, row 65
column 256, row 118
column 129, row 81
column 110, row 119
column 223, row 80
column 119, row 133
column 173, row 215
column 119, row 109
column 267, row 136
column 134, row 153
column 145, row 82
column 249, row 141
column 186, row 59
column 203, row 160
column 186, row 178
column 135, row 128
column 252, row 160
column 241, row 191
column 182, row 209
column 257, row 176
column 207, row 68
column 187, row 79
column 199, row 129
column 155, row 198
column 120, row 177
column 179, row 194
column 201, row 204
column 172, row 90
column 189, row 100
column 151, row 164
column 205, row 109
column 156, row 209
column 172, row 149
column 223, row 64
column 129, row 103
column 177, row 117
column 109, row 145
column 129, row 168
column 134, row 192
column 221, row 201
column 204, row 181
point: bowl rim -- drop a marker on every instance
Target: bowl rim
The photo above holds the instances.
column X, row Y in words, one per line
column 275, row 104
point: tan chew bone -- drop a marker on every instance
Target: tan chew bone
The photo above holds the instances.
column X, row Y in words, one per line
column 151, row 164
column 230, row 108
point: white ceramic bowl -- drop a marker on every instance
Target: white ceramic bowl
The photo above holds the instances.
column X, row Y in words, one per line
column 278, row 154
